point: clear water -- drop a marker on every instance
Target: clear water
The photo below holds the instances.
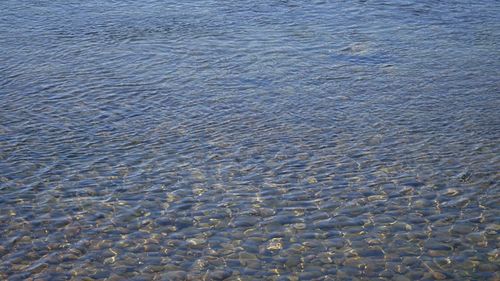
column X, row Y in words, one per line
column 249, row 140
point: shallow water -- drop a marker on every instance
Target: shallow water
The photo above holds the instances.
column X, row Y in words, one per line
column 249, row 140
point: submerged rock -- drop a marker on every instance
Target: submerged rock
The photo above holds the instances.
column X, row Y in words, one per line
column 249, row 260
column 196, row 242
column 245, row 221
column 462, row 228
column 177, row 275
column 220, row 274
column 275, row 244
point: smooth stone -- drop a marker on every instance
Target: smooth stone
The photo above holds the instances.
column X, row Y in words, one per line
column 442, row 261
column 293, row 261
column 182, row 223
column 245, row 221
column 435, row 253
column 275, row 244
column 437, row 246
column 337, row 242
column 386, row 274
column 325, row 224
column 285, row 219
column 462, row 228
column 334, row 233
column 476, row 237
column 383, row 219
column 196, row 242
column 173, row 268
column 422, row 203
column 347, row 273
column 438, row 275
column 492, row 229
column 265, row 212
column 415, row 274
column 377, row 198
column 410, row 261
column 312, row 180
column 153, row 268
column 373, row 241
column 299, row 226
column 165, row 221
column 3, row 250
column 174, row 276
column 220, row 274
column 457, row 203
column 115, row 277
column 354, row 230
column 315, row 244
column 68, row 257
column 371, row 252
column 39, row 268
column 122, row 269
column 487, row 267
column 451, row 192
column 249, row 260
column 400, row 226
column 251, row 246
column 102, row 274
column 318, row 216
column 493, row 255
column 327, row 206
column 325, row 258
column 151, row 248
column 416, row 219
column 400, row 277
column 310, row 275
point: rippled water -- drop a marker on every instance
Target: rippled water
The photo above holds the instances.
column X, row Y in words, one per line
column 249, row 140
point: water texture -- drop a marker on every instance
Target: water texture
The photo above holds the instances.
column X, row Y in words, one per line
column 249, row 140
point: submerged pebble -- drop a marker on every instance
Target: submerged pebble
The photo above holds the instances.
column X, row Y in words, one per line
column 220, row 274
column 249, row 140
column 249, row 260
column 196, row 242
column 174, row 275
column 275, row 244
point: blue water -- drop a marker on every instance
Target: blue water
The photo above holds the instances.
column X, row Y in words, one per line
column 249, row 140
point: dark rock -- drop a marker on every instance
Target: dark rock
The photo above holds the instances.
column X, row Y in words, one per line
column 178, row 275
column 220, row 274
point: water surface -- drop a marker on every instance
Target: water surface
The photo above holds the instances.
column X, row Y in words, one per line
column 249, row 140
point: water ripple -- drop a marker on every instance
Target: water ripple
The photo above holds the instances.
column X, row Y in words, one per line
column 249, row 140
